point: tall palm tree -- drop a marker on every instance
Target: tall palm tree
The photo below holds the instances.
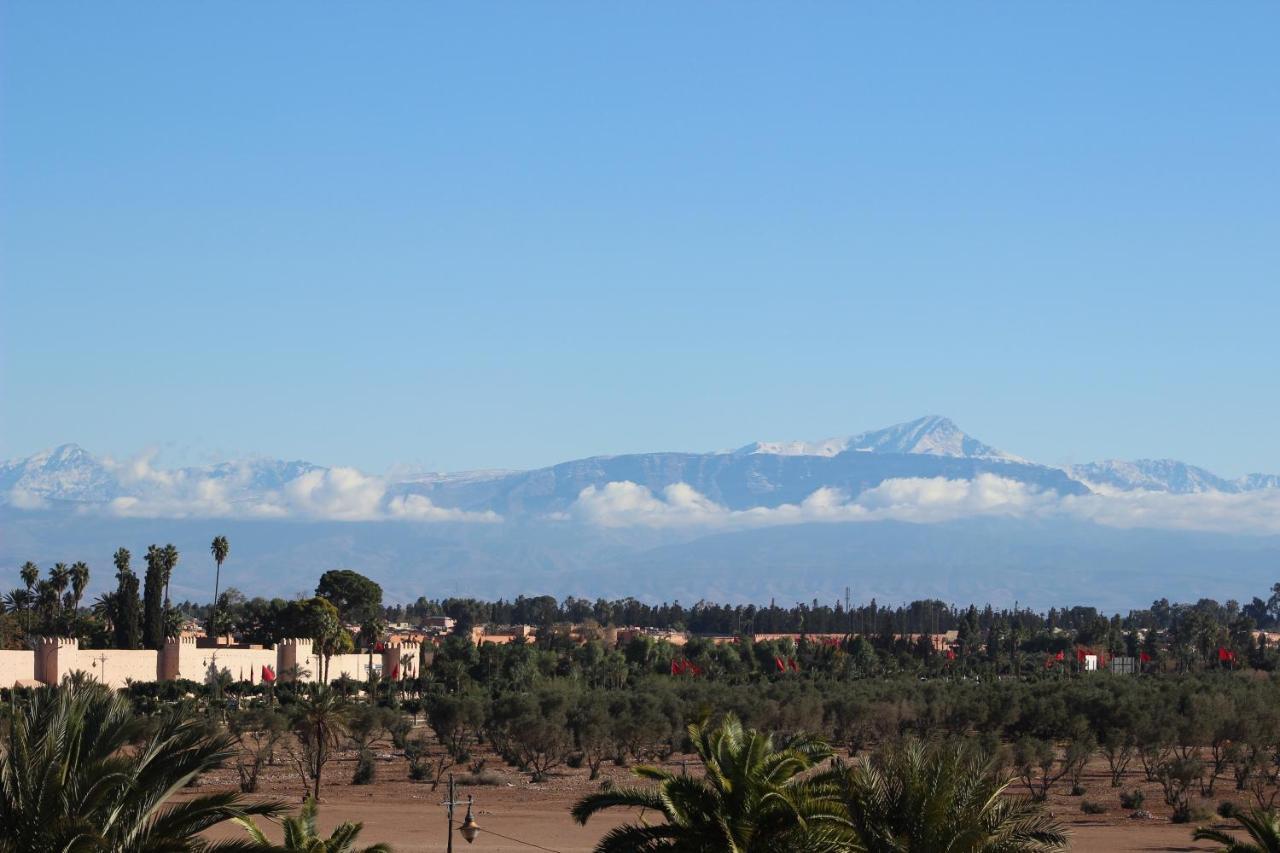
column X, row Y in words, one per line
column 60, row 579
column 30, row 573
column 47, row 603
column 80, row 773
column 220, row 548
column 79, row 580
column 917, row 798
column 752, row 798
column 1261, row 825
column 169, row 560
column 300, row 834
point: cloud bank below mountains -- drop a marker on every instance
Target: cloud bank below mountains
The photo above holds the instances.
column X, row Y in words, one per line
column 250, row 490
column 328, row 494
column 931, row 500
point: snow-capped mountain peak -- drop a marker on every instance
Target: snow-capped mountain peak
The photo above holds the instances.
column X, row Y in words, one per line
column 933, row 435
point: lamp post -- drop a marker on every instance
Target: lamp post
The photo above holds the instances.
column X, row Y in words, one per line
column 469, row 827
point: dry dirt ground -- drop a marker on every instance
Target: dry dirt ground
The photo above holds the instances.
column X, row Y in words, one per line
column 516, row 816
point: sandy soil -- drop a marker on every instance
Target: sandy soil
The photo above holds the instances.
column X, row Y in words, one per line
column 516, row 815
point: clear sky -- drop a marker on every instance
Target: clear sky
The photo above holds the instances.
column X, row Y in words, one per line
column 504, row 235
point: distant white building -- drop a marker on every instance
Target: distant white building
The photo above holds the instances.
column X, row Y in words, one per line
column 439, row 623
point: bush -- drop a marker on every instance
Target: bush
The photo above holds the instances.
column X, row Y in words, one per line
column 1186, row 813
column 1077, row 790
column 366, row 769
column 485, row 777
column 1090, row 807
column 1132, row 799
column 1227, row 809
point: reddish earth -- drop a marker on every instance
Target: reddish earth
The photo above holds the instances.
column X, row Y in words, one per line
column 516, row 816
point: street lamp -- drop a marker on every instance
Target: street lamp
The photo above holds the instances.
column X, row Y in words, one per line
column 469, row 828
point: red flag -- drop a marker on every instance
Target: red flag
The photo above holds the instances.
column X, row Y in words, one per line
column 377, row 647
column 1080, row 655
column 675, row 667
column 1144, row 657
column 795, row 667
column 782, row 667
column 951, row 654
column 395, row 672
column 268, row 674
column 1060, row 656
column 697, row 670
column 1226, row 655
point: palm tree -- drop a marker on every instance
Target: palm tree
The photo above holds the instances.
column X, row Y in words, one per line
column 318, row 723
column 60, row 579
column 1262, row 826
column 79, row 580
column 19, row 601
column 915, row 798
column 169, row 560
column 80, row 773
column 300, row 834
column 47, row 603
column 30, row 573
column 220, row 548
column 751, row 798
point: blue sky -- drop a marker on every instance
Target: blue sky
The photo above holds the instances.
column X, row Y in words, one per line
column 503, row 235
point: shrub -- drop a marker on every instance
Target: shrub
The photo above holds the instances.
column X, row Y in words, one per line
column 1132, row 799
column 1186, row 813
column 1227, row 809
column 485, row 777
column 1078, row 790
column 366, row 769
column 1090, row 807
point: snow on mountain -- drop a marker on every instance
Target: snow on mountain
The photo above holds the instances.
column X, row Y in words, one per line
column 67, row 472
column 932, row 435
column 1154, row 475
column 455, row 477
column 1253, row 482
column 763, row 474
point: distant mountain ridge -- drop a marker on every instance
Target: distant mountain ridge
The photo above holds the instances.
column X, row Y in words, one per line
column 761, row 474
column 933, row 435
column 1165, row 475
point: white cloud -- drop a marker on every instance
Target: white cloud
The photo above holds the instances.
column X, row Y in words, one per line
column 419, row 508
column 24, row 499
column 342, row 494
column 1218, row 512
column 926, row 500
column 330, row 494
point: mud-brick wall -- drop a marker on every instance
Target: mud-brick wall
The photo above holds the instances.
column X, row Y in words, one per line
column 16, row 666
column 243, row 664
column 352, row 666
column 116, row 667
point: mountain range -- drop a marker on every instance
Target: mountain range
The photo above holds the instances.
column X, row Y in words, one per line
column 761, row 474
column 938, row 513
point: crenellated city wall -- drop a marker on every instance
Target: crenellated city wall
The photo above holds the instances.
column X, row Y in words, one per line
column 54, row 658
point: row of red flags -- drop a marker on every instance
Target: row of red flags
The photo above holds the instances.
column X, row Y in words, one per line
column 269, row 674
column 684, row 666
